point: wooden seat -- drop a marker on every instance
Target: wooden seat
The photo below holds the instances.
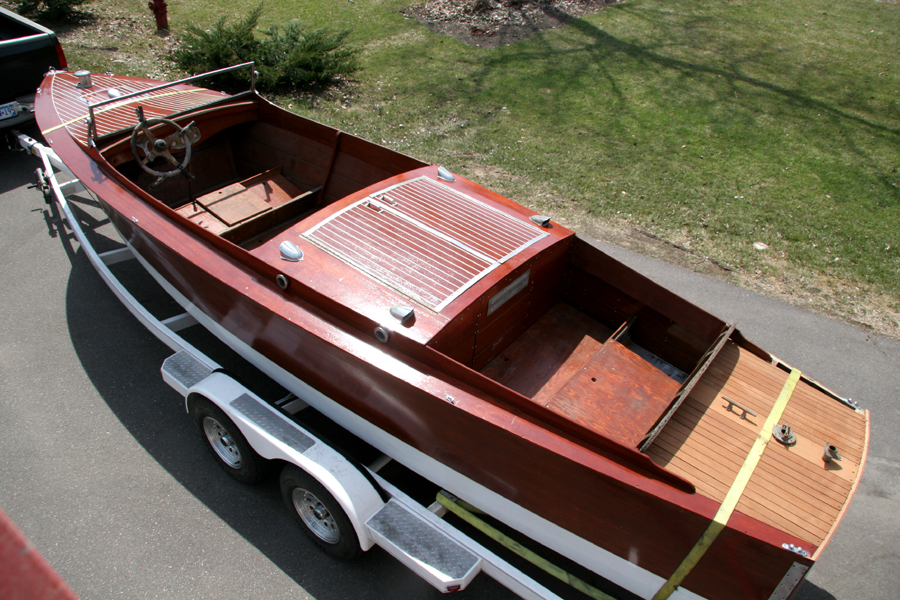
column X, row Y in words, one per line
column 549, row 353
column 253, row 231
column 236, row 211
column 244, row 200
column 617, row 393
column 570, row 363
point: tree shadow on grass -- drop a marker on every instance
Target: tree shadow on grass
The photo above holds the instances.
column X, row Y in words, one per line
column 582, row 60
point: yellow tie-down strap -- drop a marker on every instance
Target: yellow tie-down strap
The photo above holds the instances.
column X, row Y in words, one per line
column 734, row 494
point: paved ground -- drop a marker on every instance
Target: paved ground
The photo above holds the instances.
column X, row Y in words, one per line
column 105, row 474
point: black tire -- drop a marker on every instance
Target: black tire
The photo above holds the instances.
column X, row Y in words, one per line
column 319, row 514
column 227, row 444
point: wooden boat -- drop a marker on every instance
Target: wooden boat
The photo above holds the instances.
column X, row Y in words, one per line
column 488, row 348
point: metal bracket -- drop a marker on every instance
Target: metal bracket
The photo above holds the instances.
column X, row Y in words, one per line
column 732, row 405
column 795, row 549
column 790, row 581
column 369, row 204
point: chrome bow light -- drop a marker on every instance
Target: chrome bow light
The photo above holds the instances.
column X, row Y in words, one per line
column 290, row 251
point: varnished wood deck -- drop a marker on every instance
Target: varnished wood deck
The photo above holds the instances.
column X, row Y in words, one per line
column 792, row 489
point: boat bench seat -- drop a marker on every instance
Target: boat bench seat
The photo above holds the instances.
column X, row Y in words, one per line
column 242, row 210
column 575, row 366
column 276, row 218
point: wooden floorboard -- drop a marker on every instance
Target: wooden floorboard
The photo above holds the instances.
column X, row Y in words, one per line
column 552, row 351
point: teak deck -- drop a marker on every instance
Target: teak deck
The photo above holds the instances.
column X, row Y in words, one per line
column 793, row 488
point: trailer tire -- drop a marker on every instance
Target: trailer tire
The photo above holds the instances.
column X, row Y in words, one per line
column 319, row 514
column 227, row 444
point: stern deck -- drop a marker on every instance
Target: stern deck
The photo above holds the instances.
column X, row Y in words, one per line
column 792, row 488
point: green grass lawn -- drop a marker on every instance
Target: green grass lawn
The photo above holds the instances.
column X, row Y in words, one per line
column 713, row 125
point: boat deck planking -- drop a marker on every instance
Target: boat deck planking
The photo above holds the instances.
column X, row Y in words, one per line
column 792, row 488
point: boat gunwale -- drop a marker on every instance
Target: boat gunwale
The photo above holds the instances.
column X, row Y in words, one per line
column 853, row 489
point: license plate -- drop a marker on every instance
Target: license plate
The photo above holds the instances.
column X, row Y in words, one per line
column 8, row 110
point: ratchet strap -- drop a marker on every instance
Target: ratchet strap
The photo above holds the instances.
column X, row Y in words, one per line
column 734, row 494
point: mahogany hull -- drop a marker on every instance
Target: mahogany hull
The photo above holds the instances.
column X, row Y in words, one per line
column 444, row 410
column 617, row 510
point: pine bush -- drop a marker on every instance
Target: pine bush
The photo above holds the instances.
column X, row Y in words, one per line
column 286, row 57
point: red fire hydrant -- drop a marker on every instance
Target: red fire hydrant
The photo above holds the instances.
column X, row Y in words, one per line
column 159, row 8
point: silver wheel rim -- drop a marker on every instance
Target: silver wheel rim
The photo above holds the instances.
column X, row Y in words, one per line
column 316, row 517
column 222, row 442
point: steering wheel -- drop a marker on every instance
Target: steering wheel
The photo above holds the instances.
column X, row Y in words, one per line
column 153, row 147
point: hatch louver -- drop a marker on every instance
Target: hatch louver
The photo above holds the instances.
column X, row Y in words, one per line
column 424, row 239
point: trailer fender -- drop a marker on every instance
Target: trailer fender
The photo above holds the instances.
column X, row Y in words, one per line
column 275, row 437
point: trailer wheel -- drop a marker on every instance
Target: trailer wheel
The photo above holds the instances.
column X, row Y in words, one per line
column 227, row 443
column 321, row 516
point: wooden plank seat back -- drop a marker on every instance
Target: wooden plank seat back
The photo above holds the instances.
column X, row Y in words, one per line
column 265, row 225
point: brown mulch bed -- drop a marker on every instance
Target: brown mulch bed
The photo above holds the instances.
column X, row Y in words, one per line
column 493, row 23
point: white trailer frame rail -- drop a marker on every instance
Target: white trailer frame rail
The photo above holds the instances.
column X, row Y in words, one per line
column 380, row 513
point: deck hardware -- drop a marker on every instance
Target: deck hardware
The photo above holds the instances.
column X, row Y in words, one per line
column 290, row 251
column 542, row 220
column 84, row 80
column 282, row 281
column 445, row 174
column 794, row 548
column 134, row 219
column 732, row 404
column 382, row 335
column 450, row 399
column 831, row 453
column 402, row 312
column 385, row 198
column 784, row 434
column 851, row 403
column 368, row 204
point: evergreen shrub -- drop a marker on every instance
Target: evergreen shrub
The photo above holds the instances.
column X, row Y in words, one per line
column 291, row 56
